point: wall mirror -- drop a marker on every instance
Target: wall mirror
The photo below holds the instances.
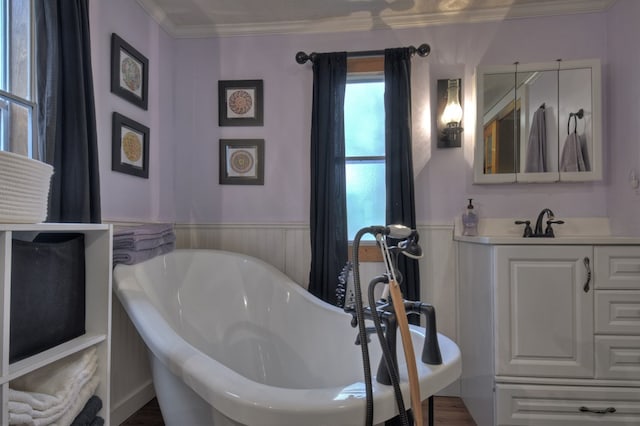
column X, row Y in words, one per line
column 538, row 122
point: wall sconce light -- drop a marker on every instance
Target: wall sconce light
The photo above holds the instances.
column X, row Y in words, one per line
column 449, row 114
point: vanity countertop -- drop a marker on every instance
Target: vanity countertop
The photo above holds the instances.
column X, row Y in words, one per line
column 564, row 240
column 575, row 231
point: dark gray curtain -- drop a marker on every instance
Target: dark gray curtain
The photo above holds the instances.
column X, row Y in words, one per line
column 328, row 216
column 399, row 165
column 66, row 115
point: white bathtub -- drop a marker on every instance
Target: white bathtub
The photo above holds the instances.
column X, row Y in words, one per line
column 234, row 341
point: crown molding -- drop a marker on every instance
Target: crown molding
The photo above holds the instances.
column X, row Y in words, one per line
column 367, row 23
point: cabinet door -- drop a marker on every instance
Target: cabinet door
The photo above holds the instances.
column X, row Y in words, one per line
column 544, row 312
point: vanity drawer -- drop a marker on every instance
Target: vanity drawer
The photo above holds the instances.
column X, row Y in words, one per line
column 618, row 357
column 548, row 405
column 617, row 312
column 617, row 267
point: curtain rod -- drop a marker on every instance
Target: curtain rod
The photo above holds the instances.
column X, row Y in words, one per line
column 423, row 50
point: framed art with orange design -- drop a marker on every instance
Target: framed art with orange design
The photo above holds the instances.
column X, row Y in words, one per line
column 242, row 161
column 129, row 72
column 129, row 146
column 240, row 103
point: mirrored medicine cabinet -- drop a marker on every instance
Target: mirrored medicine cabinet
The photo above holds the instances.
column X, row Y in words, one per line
column 538, row 122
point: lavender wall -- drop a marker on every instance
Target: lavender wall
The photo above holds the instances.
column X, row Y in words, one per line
column 126, row 197
column 444, row 178
column 623, row 144
column 183, row 184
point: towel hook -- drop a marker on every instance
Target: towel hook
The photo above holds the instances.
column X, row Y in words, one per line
column 575, row 116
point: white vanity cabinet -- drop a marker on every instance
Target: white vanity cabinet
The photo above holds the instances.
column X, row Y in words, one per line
column 550, row 333
column 97, row 251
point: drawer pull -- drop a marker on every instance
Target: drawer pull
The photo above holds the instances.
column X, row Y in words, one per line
column 590, row 410
column 587, row 266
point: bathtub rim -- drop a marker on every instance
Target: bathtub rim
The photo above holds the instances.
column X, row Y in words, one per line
column 250, row 402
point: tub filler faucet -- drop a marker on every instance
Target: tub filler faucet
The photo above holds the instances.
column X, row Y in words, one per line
column 386, row 313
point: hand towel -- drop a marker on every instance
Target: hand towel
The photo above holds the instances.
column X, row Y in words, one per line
column 537, row 145
column 572, row 159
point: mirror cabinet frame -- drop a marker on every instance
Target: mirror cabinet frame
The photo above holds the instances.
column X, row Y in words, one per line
column 592, row 112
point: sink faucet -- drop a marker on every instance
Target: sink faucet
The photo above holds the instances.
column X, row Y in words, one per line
column 537, row 231
column 548, row 232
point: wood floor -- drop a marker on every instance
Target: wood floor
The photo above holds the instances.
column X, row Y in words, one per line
column 448, row 411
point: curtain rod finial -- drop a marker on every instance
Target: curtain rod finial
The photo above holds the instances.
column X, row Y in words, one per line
column 423, row 50
column 302, row 57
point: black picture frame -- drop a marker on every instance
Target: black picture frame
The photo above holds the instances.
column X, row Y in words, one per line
column 129, row 146
column 129, row 72
column 240, row 103
column 242, row 161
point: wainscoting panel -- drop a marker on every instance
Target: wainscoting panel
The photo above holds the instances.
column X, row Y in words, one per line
column 287, row 247
column 131, row 383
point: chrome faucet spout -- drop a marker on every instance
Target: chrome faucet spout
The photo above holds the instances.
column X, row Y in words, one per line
column 538, row 229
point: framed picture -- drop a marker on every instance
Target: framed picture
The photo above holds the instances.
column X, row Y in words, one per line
column 242, row 161
column 129, row 72
column 240, row 103
column 129, row 147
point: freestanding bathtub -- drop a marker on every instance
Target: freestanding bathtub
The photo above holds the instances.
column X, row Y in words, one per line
column 233, row 341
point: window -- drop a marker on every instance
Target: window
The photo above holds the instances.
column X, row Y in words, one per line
column 17, row 104
column 364, row 122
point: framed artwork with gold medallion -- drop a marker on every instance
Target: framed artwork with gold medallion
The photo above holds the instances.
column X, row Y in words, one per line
column 240, row 103
column 242, row 161
column 129, row 147
column 129, row 72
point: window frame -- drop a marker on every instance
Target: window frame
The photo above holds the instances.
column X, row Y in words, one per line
column 362, row 69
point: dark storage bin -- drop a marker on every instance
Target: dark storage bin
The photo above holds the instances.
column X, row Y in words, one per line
column 47, row 293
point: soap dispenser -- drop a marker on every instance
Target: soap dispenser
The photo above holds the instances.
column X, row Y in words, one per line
column 470, row 220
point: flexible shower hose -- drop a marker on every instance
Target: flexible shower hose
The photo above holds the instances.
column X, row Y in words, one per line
column 387, row 354
column 361, row 326
column 363, row 335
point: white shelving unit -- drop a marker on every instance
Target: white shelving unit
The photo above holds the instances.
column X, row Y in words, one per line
column 98, row 244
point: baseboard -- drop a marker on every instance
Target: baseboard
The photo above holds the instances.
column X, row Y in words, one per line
column 137, row 399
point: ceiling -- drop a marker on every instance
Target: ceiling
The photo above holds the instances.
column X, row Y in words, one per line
column 206, row 18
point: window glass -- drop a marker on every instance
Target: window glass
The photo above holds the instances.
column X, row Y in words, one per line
column 364, row 147
column 364, row 118
column 366, row 196
column 16, row 77
column 20, row 49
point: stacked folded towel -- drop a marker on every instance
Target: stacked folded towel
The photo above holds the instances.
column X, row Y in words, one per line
column 55, row 394
column 139, row 243
column 89, row 414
